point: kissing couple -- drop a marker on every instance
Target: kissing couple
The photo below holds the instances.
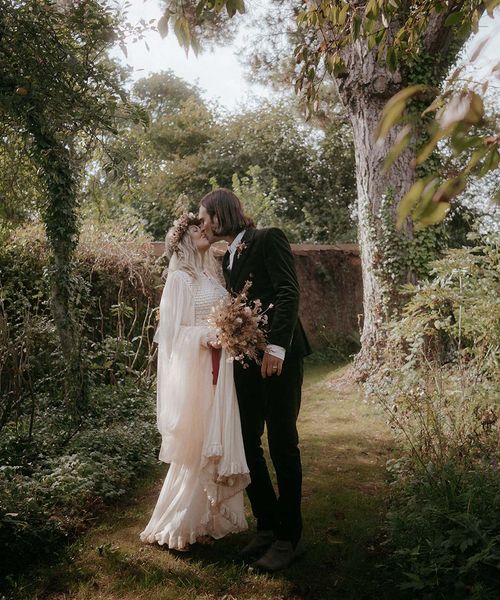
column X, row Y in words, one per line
column 211, row 427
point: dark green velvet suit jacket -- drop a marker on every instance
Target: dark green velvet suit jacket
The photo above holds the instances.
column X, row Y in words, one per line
column 265, row 258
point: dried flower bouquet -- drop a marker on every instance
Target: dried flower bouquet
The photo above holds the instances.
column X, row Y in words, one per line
column 240, row 326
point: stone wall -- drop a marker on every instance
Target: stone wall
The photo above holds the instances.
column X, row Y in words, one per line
column 331, row 301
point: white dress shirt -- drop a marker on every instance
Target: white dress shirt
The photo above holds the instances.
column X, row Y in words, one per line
column 272, row 349
column 233, row 246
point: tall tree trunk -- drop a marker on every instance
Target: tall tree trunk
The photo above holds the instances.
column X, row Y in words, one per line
column 364, row 91
column 61, row 224
column 377, row 239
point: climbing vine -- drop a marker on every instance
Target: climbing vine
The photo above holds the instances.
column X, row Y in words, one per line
column 58, row 92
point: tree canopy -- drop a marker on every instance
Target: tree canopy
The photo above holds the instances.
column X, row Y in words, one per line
column 402, row 35
column 168, row 167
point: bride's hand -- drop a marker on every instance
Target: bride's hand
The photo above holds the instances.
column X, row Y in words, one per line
column 210, row 340
column 213, row 340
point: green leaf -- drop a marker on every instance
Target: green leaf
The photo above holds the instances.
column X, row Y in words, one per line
column 231, row 8
column 434, row 105
column 333, row 14
column 369, row 25
column 335, row 64
column 474, row 160
column 200, row 7
column 372, row 42
column 400, row 144
column 453, row 19
column 431, row 145
column 424, row 204
column 449, row 189
column 392, row 61
column 240, row 6
column 356, row 26
column 343, row 15
column 219, row 5
column 460, row 142
column 476, row 110
column 491, row 162
column 390, row 116
column 434, row 213
column 234, row 6
column 395, row 107
column 183, row 32
column 371, row 8
column 379, row 36
column 409, row 200
column 408, row 93
column 163, row 26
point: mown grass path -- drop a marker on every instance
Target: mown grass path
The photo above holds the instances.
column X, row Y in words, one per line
column 345, row 443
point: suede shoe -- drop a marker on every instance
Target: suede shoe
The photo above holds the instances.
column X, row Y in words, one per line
column 279, row 556
column 258, row 545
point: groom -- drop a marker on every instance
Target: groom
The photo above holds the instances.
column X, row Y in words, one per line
column 269, row 394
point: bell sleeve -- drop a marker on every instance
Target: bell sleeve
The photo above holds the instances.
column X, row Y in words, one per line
column 182, row 354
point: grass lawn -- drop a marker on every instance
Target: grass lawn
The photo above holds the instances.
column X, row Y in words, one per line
column 345, row 443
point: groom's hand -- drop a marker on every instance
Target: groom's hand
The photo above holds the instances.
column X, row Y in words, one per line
column 271, row 365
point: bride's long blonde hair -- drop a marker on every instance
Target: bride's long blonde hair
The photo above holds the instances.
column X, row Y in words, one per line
column 184, row 256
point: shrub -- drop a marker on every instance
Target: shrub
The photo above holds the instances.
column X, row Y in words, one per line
column 59, row 469
column 439, row 388
column 444, row 531
column 53, row 483
column 115, row 287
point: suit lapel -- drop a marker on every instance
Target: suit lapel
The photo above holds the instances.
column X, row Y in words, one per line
column 240, row 258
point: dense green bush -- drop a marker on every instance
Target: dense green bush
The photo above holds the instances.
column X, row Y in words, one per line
column 54, row 482
column 444, row 531
column 439, row 386
column 116, row 285
column 58, row 469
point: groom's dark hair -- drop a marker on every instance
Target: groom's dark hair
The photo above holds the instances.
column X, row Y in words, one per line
column 226, row 206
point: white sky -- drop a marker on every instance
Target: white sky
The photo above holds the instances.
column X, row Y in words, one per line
column 219, row 74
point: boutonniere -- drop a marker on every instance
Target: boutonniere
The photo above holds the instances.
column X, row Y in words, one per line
column 240, row 248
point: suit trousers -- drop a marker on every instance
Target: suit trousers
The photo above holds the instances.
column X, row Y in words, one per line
column 273, row 403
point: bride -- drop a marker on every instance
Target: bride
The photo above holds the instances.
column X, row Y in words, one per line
column 198, row 419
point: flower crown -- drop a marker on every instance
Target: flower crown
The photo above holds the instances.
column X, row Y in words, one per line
column 179, row 229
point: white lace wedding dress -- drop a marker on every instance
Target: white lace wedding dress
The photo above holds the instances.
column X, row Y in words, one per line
column 199, row 423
